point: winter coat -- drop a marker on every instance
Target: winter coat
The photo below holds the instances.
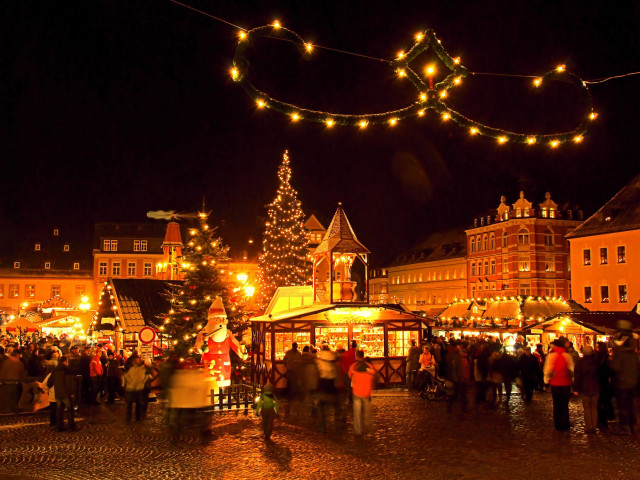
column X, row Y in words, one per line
column 347, row 359
column 413, row 359
column 63, row 381
column 362, row 375
column 558, row 368
column 50, row 391
column 453, row 371
column 507, row 365
column 309, row 372
column 135, row 378
column 12, row 369
column 292, row 360
column 113, row 369
column 586, row 381
column 325, row 360
column 267, row 401
column 95, row 367
column 624, row 364
column 529, row 368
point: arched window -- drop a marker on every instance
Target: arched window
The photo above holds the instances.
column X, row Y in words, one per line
column 473, row 244
column 486, row 267
column 473, row 268
column 548, row 237
column 492, row 241
column 485, row 242
column 523, row 237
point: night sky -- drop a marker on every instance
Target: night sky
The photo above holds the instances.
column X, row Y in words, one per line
column 109, row 109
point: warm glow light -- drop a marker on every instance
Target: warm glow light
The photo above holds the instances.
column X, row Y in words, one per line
column 363, row 123
column 276, row 24
column 431, row 70
column 554, row 143
column 308, row 47
column 295, row 117
column 242, row 35
column 531, row 140
column 393, row 121
column 537, row 82
column 446, row 116
column 593, row 116
column 473, row 130
column 578, row 138
column 419, row 36
column 456, row 60
column 502, row 139
column 421, row 113
column 423, row 96
column 457, row 80
column 402, row 72
column 443, row 93
column 242, row 277
column 261, row 104
column 400, row 55
column 234, row 73
column 561, row 68
column 329, row 122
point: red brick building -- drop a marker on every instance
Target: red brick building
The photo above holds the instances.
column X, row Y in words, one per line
column 521, row 250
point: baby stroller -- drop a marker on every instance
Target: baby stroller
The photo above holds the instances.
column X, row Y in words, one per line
column 430, row 385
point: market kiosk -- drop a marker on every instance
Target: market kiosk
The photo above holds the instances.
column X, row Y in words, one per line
column 334, row 310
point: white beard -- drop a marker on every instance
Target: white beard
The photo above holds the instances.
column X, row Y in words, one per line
column 219, row 335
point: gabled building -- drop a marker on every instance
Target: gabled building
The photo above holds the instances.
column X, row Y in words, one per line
column 521, row 250
column 605, row 254
column 45, row 264
column 315, row 231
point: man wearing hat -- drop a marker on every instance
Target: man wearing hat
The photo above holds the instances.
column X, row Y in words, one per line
column 624, row 364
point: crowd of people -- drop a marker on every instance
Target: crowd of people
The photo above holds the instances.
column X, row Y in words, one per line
column 72, row 374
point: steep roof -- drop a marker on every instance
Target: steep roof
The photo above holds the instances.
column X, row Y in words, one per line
column 313, row 223
column 443, row 245
column 601, row 322
column 619, row 214
column 340, row 236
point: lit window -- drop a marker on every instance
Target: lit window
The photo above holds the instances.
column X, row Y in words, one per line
column 37, row 247
column 523, row 264
column 136, row 245
column 549, row 264
column 147, row 269
column 80, row 289
column 523, row 237
column 587, row 295
column 493, row 266
column 604, row 294
column 131, row 269
column 622, row 293
column 505, row 265
column 587, row 256
column 622, row 256
column 106, row 245
column 420, row 278
column 552, row 213
column 76, row 266
column 14, row 290
column 115, row 269
column 114, row 245
column 102, row 268
column 55, row 290
column 47, row 265
column 604, row 256
column 16, row 264
column 473, row 290
column 504, row 240
column 65, row 247
column 544, row 212
column 1, row 290
column 143, row 245
column 29, row 291
column 56, row 232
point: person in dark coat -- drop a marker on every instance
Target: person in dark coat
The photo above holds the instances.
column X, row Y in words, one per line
column 454, row 378
column 63, row 381
column 606, row 412
column 529, row 371
column 587, row 384
column 114, row 378
column 624, row 364
column 507, row 366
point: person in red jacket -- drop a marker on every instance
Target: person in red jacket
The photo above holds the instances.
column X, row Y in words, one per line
column 346, row 360
column 558, row 372
column 362, row 375
column 95, row 374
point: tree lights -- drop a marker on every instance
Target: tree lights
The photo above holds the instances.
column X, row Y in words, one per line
column 430, row 95
column 283, row 261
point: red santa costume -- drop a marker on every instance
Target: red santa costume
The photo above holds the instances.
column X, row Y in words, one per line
column 216, row 359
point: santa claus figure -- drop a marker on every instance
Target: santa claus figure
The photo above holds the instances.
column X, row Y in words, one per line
column 218, row 340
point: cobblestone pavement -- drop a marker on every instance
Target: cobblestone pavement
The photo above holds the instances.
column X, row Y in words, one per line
column 412, row 439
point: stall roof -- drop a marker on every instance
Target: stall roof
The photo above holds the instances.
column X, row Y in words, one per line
column 601, row 322
column 516, row 307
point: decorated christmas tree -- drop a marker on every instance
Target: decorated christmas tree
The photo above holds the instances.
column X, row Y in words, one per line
column 283, row 261
column 204, row 279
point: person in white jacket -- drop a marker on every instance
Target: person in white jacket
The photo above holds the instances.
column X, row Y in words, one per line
column 134, row 380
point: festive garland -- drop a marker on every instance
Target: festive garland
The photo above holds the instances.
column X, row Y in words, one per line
column 430, row 97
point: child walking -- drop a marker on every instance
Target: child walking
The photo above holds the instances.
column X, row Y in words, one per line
column 267, row 406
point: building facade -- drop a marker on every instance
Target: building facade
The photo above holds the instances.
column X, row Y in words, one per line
column 46, row 265
column 605, row 254
column 521, row 250
column 378, row 286
column 431, row 277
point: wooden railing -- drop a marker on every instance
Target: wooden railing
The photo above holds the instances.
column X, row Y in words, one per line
column 234, row 397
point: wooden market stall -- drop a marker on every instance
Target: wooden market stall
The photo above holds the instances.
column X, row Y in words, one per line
column 335, row 310
column 502, row 317
column 581, row 328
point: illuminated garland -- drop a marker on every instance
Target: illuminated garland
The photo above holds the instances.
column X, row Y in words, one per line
column 430, row 97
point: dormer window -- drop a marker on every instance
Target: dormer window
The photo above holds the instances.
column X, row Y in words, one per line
column 16, row 264
column 552, row 213
column 76, row 266
column 482, row 222
column 56, row 232
column 37, row 247
column 66, row 247
column 544, row 212
column 47, row 265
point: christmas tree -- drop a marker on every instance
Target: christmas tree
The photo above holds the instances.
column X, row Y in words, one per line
column 283, row 261
column 204, row 279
